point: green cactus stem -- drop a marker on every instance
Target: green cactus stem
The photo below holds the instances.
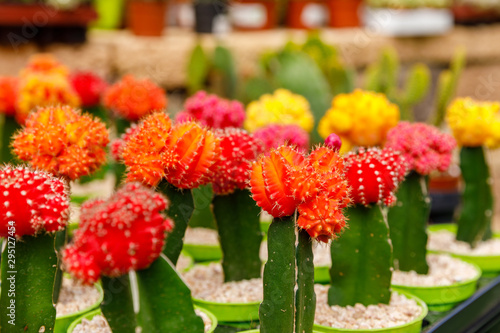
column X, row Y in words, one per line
column 407, row 224
column 362, row 259
column 474, row 222
column 238, row 224
column 118, row 305
column 202, row 215
column 61, row 240
column 180, row 211
column 165, row 301
column 305, row 298
column 9, row 128
column 276, row 312
column 28, row 274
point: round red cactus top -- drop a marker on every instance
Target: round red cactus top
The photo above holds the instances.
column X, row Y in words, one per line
column 212, row 111
column 133, row 99
column 126, row 232
column 238, row 150
column 9, row 89
column 424, row 147
column 287, row 180
column 62, row 141
column 89, row 87
column 182, row 154
column 32, row 202
column 374, row 175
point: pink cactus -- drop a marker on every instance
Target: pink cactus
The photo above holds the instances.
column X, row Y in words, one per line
column 333, row 141
column 212, row 111
column 118, row 144
column 374, row 175
column 238, row 150
column 32, row 202
column 424, row 147
column 273, row 136
column 125, row 233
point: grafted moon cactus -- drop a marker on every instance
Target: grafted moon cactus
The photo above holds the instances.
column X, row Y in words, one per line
column 89, row 88
column 425, row 149
column 35, row 201
column 62, row 141
column 275, row 135
column 125, row 233
column 35, row 205
column 362, row 257
column 212, row 111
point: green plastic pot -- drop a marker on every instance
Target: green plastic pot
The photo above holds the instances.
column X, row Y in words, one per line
column 98, row 312
column 202, row 252
column 231, row 312
column 63, row 322
column 443, row 298
column 414, row 326
column 322, row 274
column 257, row 331
column 489, row 265
column 110, row 14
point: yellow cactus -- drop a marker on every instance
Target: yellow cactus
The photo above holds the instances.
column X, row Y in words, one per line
column 474, row 123
column 282, row 107
column 361, row 118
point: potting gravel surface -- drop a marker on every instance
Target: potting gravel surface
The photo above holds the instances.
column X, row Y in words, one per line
column 401, row 310
column 202, row 236
column 75, row 297
column 207, row 283
column 98, row 324
column 444, row 270
column 322, row 256
column 445, row 241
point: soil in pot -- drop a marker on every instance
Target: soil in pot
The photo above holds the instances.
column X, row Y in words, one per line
column 147, row 18
column 402, row 310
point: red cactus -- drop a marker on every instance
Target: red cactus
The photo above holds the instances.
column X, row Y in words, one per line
column 89, row 87
column 238, row 150
column 212, row 111
column 9, row 87
column 374, row 175
column 32, row 202
column 424, row 147
column 62, row 141
column 133, row 99
column 126, row 232
column 182, row 154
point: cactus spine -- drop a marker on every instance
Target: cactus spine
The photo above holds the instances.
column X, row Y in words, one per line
column 474, row 222
column 407, row 222
column 362, row 259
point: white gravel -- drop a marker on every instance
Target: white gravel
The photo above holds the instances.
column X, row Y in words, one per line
column 202, row 236
column 183, row 263
column 445, row 241
column 75, row 297
column 207, row 283
column 444, row 270
column 401, row 310
column 98, row 324
column 322, row 256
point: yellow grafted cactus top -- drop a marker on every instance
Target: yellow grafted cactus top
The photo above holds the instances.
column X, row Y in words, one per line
column 361, row 118
column 282, row 107
column 474, row 123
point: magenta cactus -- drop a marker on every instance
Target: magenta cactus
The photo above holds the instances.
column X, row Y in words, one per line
column 334, row 142
column 125, row 233
column 424, row 147
column 274, row 136
column 212, row 111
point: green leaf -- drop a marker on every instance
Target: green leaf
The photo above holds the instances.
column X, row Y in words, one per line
column 408, row 224
column 305, row 298
column 224, row 66
column 180, row 210
column 118, row 304
column 8, row 129
column 362, row 259
column 165, row 301
column 474, row 222
column 238, row 224
column 277, row 311
column 28, row 284
column 197, row 71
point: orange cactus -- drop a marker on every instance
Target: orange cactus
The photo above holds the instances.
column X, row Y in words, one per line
column 44, row 63
column 62, row 141
column 8, row 95
column 182, row 154
column 133, row 99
